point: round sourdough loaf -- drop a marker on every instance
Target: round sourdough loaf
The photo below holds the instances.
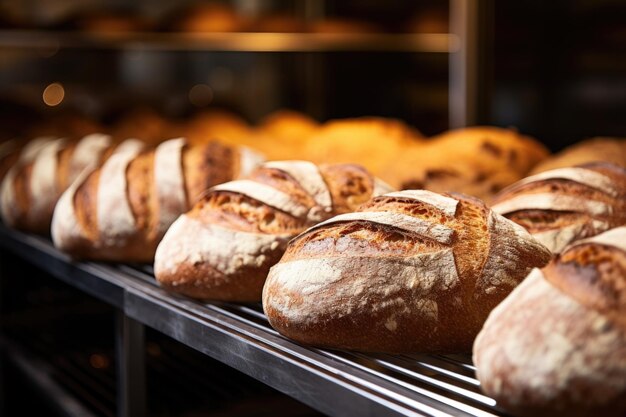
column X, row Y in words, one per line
column 224, row 247
column 557, row 344
column 563, row 205
column 411, row 271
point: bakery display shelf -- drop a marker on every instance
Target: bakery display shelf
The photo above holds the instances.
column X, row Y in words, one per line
column 334, row 382
column 235, row 42
column 39, row 374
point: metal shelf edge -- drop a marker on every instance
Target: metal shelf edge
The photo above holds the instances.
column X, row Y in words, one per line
column 235, row 42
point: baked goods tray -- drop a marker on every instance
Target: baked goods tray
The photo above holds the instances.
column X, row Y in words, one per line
column 334, row 382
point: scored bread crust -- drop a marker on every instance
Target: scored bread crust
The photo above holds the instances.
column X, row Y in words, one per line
column 557, row 344
column 46, row 168
column 223, row 248
column 412, row 271
column 563, row 205
column 120, row 211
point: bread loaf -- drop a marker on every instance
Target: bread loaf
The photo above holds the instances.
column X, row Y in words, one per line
column 120, row 211
column 46, row 168
column 210, row 17
column 370, row 141
column 560, row 206
column 223, row 248
column 557, row 344
column 221, row 125
column 284, row 135
column 612, row 150
column 411, row 271
column 478, row 161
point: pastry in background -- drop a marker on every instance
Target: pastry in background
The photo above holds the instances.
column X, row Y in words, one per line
column 563, row 205
column 501, row 148
column 370, row 141
column 478, row 161
column 32, row 187
column 557, row 345
column 600, row 149
column 144, row 124
column 456, row 174
column 222, row 125
column 209, row 17
column 410, row 271
column 64, row 124
column 284, row 134
column 120, row 211
column 223, row 248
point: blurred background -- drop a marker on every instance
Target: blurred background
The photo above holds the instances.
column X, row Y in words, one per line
column 552, row 69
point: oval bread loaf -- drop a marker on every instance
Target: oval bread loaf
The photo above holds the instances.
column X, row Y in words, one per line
column 563, row 205
column 479, row 161
column 557, row 344
column 33, row 186
column 411, row 271
column 223, row 248
column 120, row 211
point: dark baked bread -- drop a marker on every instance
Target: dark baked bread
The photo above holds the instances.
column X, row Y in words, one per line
column 120, row 211
column 412, row 271
column 557, row 344
column 560, row 206
column 223, row 248
column 47, row 167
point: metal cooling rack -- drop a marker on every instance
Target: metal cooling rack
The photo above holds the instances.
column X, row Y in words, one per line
column 334, row 382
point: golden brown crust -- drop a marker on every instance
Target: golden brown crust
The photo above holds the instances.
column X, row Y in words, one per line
column 63, row 167
column 40, row 178
column 207, row 165
column 142, row 227
column 350, row 185
column 594, row 275
column 86, row 209
column 370, row 141
column 239, row 236
column 141, row 191
column 567, row 204
column 376, row 285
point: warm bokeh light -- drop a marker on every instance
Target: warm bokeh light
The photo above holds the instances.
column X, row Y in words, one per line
column 54, row 94
column 98, row 361
column 200, row 95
